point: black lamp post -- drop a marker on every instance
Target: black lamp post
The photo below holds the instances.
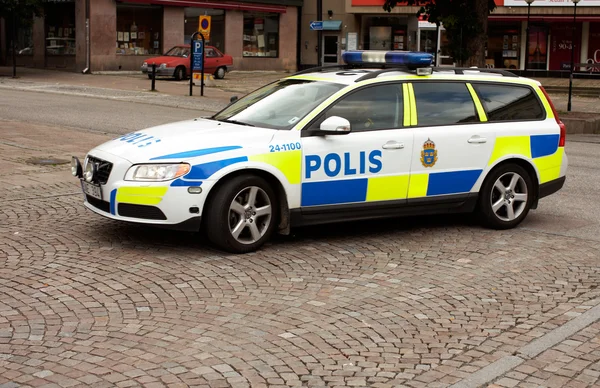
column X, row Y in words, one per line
column 572, row 52
column 529, row 2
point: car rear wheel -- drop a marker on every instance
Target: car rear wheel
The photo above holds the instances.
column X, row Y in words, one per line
column 179, row 73
column 242, row 214
column 220, row 73
column 506, row 197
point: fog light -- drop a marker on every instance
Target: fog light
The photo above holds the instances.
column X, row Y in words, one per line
column 194, row 190
column 76, row 168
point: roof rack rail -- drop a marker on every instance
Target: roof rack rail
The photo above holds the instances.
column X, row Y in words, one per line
column 461, row 70
column 387, row 69
column 319, row 68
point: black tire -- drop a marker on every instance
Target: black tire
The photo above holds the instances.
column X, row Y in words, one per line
column 220, row 73
column 490, row 194
column 149, row 76
column 179, row 73
column 219, row 220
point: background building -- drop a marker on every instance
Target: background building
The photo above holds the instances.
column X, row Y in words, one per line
column 363, row 24
column 259, row 34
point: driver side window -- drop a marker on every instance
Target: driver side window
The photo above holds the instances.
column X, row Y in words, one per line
column 369, row 109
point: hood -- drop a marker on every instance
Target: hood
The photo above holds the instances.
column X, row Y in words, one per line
column 165, row 59
column 190, row 137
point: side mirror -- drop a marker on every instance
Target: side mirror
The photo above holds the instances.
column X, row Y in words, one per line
column 335, row 125
column 233, row 99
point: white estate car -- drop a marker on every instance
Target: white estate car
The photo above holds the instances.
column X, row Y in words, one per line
column 383, row 135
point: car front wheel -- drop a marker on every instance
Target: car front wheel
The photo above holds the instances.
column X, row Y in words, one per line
column 242, row 214
column 506, row 197
column 220, row 73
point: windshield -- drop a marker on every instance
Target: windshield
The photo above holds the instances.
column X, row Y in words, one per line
column 279, row 105
column 178, row 52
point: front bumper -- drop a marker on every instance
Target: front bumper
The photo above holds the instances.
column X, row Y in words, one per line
column 151, row 203
column 169, row 71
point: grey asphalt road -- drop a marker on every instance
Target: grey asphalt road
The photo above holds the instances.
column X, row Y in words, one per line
column 87, row 113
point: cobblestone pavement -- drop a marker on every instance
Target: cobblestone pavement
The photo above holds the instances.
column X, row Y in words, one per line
column 419, row 302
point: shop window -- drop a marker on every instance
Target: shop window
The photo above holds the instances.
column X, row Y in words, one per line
column 23, row 42
column 503, row 45
column 217, row 26
column 139, row 30
column 443, row 103
column 509, row 103
column 60, row 28
column 261, row 35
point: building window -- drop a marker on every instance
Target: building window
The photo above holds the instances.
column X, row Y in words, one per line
column 60, row 28
column 217, row 25
column 24, row 41
column 139, row 30
column 261, row 34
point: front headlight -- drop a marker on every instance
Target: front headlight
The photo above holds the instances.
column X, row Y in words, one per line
column 156, row 172
column 145, row 64
column 90, row 171
column 163, row 65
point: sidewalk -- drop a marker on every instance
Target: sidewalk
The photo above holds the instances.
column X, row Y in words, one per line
column 136, row 87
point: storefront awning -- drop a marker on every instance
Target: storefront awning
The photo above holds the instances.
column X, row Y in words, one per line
column 543, row 18
column 221, row 5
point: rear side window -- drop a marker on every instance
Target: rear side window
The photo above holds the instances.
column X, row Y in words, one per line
column 509, row 102
column 444, row 103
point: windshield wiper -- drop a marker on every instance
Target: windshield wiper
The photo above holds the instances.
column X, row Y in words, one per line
column 236, row 122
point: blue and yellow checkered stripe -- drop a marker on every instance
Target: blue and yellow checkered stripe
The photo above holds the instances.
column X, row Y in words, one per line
column 543, row 150
column 388, row 188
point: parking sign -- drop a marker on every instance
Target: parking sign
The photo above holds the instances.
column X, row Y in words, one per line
column 198, row 48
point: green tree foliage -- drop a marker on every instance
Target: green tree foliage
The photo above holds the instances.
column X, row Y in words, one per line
column 465, row 22
column 24, row 10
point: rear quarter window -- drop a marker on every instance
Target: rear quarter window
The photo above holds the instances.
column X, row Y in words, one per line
column 509, row 102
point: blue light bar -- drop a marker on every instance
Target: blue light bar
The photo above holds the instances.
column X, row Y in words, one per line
column 407, row 58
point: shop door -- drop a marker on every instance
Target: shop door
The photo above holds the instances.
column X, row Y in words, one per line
column 330, row 51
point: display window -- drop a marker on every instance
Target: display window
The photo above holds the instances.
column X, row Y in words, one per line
column 60, row 28
column 139, row 29
column 217, row 25
column 261, row 35
column 386, row 33
column 24, row 41
column 593, row 54
column 503, row 45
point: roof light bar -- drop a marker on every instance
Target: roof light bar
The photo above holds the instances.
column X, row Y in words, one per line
column 407, row 58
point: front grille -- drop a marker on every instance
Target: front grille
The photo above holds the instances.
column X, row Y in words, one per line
column 141, row 211
column 103, row 169
column 98, row 203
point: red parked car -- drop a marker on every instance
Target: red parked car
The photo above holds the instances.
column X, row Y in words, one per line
column 176, row 63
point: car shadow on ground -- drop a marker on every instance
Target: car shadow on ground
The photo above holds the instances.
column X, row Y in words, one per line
column 137, row 235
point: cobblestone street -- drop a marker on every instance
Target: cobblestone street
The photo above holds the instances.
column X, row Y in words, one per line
column 418, row 302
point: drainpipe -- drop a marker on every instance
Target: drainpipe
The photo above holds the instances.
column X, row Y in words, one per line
column 87, row 37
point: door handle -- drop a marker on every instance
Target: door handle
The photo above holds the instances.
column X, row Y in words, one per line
column 477, row 140
column 393, row 145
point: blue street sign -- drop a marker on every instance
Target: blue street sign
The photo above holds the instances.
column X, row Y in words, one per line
column 198, row 51
column 315, row 26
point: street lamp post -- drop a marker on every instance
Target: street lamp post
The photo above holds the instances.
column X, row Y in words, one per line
column 529, row 2
column 572, row 52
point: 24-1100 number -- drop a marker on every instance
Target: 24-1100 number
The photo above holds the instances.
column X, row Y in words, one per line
column 285, row 147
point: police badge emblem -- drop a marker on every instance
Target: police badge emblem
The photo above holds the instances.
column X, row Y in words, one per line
column 428, row 154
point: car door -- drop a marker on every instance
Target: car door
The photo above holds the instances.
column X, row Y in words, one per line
column 452, row 142
column 210, row 61
column 368, row 166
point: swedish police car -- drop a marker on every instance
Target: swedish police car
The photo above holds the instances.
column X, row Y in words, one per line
column 383, row 135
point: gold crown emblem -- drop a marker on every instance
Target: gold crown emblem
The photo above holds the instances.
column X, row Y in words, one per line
column 429, row 145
